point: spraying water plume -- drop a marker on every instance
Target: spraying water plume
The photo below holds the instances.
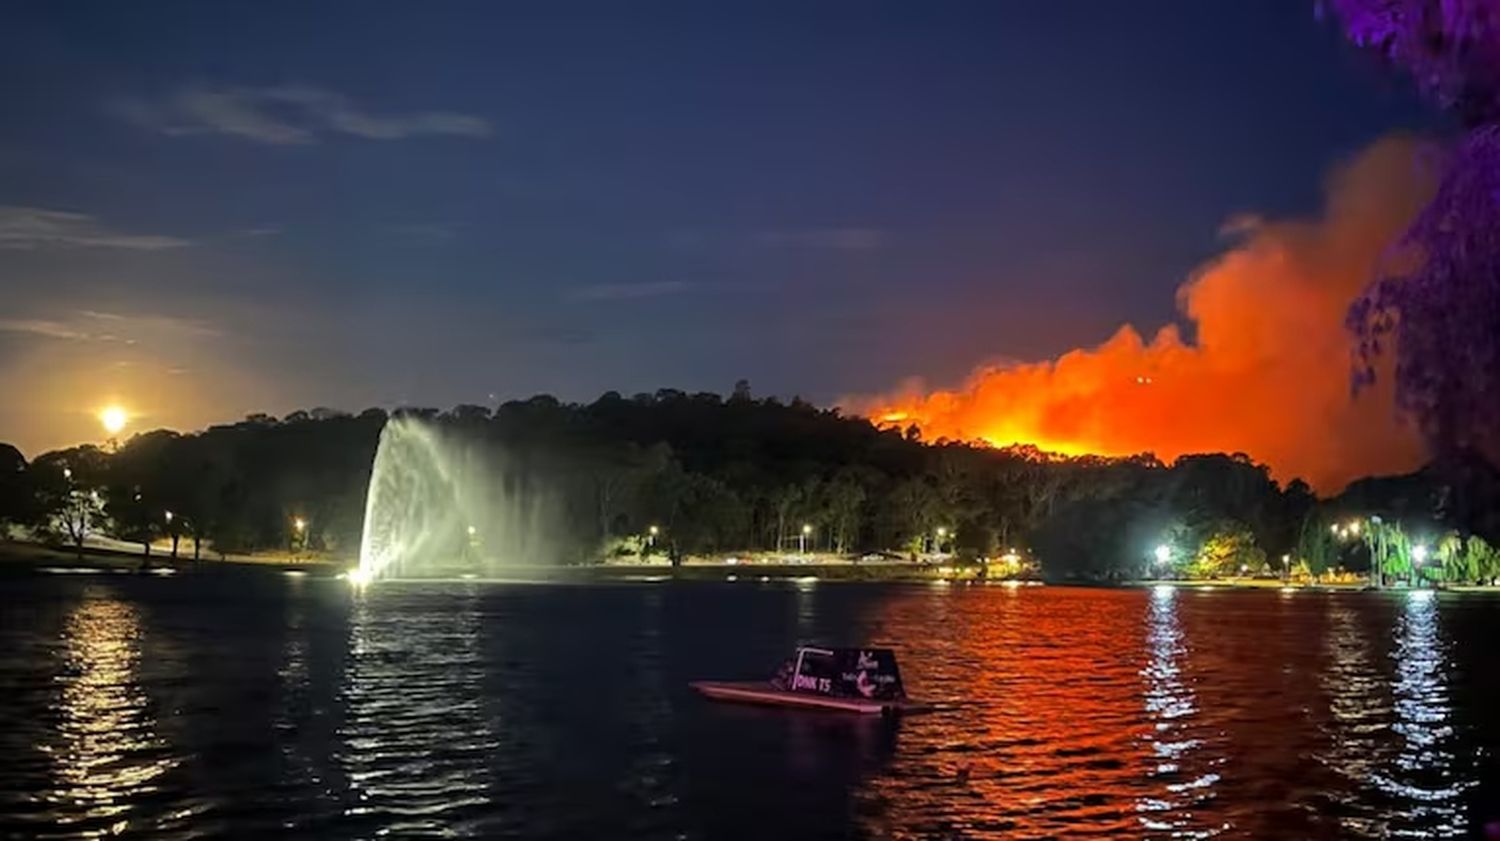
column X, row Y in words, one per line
column 440, row 503
column 1267, row 372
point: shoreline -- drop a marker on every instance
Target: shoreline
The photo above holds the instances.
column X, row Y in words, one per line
column 14, row 554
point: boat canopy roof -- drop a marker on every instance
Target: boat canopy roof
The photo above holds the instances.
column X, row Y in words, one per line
column 846, row 673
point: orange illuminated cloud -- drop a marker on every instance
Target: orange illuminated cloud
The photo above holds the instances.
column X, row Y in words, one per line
column 1268, row 371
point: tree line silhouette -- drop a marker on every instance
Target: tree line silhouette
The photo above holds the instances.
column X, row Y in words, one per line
column 719, row 475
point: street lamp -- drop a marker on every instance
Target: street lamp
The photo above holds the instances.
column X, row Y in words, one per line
column 169, row 518
column 802, row 538
column 1163, row 554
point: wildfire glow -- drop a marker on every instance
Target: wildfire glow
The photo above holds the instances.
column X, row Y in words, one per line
column 1268, row 371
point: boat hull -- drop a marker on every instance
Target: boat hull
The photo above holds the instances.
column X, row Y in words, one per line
column 760, row 692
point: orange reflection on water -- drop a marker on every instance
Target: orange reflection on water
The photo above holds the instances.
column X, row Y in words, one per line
column 106, row 751
column 1043, row 725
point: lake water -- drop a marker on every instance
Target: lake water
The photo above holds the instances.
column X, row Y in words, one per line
column 261, row 704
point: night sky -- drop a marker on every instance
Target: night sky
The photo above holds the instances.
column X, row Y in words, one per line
column 210, row 209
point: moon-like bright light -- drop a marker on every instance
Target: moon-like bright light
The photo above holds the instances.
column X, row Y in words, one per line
column 114, row 419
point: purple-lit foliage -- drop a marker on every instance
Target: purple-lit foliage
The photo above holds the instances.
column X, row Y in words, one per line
column 1436, row 304
column 1451, row 47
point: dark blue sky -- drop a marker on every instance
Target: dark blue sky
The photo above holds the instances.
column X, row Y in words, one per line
column 272, row 205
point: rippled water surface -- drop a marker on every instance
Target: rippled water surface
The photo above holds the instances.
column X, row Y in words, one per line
column 262, row 704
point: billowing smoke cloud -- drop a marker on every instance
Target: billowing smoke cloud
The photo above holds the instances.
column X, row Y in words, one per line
column 1267, row 372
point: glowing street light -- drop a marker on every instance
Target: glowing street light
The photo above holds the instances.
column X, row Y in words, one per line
column 1354, row 527
column 472, row 530
column 1163, row 553
column 169, row 516
column 1419, row 554
column 802, row 538
column 300, row 525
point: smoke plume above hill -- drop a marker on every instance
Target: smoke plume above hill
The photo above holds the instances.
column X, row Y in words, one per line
column 1266, row 371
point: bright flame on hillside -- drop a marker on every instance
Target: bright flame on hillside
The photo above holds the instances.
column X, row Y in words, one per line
column 1268, row 372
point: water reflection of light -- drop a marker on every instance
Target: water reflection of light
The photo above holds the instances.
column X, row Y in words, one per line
column 1357, row 706
column 107, row 751
column 1183, row 779
column 1424, row 777
column 415, row 739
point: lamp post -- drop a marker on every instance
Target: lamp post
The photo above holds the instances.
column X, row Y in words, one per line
column 802, row 538
column 1418, row 556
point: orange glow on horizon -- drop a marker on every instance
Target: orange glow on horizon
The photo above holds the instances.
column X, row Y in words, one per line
column 1266, row 374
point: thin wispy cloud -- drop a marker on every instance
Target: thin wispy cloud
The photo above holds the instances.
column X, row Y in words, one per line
column 628, row 291
column 286, row 115
column 97, row 326
column 41, row 327
column 31, row 228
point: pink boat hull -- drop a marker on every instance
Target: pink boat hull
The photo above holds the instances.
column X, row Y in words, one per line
column 761, row 692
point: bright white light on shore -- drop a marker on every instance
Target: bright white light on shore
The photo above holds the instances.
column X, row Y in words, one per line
column 1419, row 553
column 1163, row 553
column 299, row 524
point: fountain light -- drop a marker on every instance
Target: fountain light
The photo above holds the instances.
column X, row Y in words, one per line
column 358, row 576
